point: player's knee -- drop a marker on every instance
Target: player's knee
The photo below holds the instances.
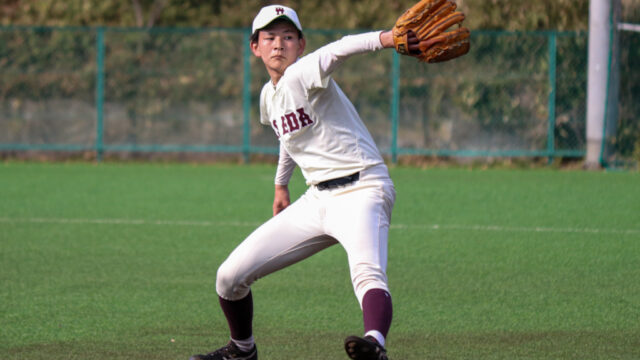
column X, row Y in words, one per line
column 229, row 285
column 366, row 277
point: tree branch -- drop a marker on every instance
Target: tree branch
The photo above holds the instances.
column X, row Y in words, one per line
column 137, row 10
column 156, row 10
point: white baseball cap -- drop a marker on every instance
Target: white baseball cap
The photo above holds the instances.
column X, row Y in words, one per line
column 269, row 13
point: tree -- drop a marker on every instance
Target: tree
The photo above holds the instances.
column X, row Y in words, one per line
column 155, row 9
column 346, row 14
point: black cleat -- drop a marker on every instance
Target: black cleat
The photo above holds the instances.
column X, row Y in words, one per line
column 229, row 352
column 366, row 348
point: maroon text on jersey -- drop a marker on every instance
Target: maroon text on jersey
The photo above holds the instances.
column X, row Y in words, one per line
column 291, row 122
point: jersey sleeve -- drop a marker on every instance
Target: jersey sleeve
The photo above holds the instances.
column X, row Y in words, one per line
column 286, row 165
column 264, row 111
column 314, row 69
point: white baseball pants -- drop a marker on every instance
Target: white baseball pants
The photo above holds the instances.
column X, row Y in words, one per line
column 356, row 215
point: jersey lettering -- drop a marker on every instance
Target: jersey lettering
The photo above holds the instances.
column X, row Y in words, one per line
column 291, row 122
column 275, row 127
column 285, row 129
column 305, row 120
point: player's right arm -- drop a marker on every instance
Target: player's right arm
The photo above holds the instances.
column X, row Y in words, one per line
column 281, row 199
column 286, row 165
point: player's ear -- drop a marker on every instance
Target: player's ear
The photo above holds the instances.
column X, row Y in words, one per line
column 303, row 43
column 255, row 48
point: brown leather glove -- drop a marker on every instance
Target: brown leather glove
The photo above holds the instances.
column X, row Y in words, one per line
column 429, row 21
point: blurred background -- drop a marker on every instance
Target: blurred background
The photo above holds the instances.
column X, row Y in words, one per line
column 175, row 79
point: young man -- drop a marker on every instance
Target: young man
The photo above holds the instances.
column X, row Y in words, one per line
column 350, row 195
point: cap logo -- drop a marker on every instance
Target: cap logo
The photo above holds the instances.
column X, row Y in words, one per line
column 279, row 11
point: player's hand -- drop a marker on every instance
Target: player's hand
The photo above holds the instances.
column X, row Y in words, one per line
column 280, row 199
column 386, row 38
column 414, row 42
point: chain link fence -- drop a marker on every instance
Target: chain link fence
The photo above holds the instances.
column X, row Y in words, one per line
column 622, row 123
column 118, row 90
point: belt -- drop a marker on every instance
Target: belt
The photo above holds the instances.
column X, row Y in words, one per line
column 334, row 183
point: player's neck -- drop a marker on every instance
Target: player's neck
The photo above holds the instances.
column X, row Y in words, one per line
column 275, row 76
column 274, row 80
column 277, row 73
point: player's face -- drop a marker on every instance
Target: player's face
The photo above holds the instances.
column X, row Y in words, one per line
column 279, row 46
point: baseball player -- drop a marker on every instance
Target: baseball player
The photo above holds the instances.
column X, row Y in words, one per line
column 350, row 195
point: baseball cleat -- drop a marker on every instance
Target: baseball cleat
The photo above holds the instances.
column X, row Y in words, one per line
column 228, row 352
column 366, row 348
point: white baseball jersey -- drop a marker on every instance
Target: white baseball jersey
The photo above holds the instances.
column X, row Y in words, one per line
column 316, row 123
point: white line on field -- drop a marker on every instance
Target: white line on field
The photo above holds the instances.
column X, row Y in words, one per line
column 519, row 229
column 127, row 222
column 496, row 228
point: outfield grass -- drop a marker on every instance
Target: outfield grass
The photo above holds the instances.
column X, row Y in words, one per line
column 117, row 261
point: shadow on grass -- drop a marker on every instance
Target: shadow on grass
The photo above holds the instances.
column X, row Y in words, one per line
column 305, row 345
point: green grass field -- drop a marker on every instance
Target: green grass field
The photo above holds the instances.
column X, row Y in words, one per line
column 118, row 261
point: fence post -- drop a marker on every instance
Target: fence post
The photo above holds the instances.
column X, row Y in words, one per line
column 553, row 51
column 395, row 103
column 610, row 121
column 246, row 98
column 99, row 145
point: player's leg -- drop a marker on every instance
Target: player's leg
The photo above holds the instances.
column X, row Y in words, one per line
column 241, row 269
column 291, row 236
column 365, row 239
column 377, row 313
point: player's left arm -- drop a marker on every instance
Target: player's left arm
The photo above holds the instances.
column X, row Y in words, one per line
column 332, row 55
column 386, row 39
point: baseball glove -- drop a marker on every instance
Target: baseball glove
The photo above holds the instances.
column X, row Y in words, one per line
column 428, row 21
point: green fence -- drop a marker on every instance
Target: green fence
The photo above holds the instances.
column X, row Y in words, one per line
column 110, row 90
column 622, row 122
